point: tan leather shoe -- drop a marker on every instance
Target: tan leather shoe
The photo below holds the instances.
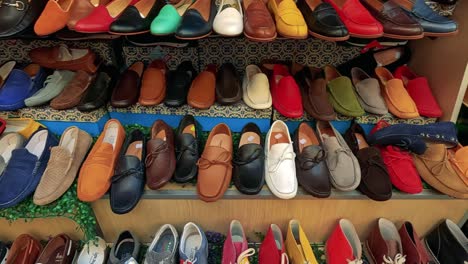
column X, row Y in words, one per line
column 153, row 84
column 215, row 164
column 201, row 94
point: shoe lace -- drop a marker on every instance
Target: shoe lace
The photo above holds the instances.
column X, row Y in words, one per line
column 190, row 148
column 356, row 261
column 130, row 172
column 334, row 159
column 189, row 261
column 244, row 256
column 256, row 154
column 154, row 154
column 285, row 155
column 224, row 159
column 439, row 167
column 284, row 259
column 399, row 259
column 306, row 162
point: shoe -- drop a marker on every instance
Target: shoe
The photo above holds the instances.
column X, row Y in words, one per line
column 375, row 181
column 297, row 245
column 127, row 90
column 249, row 167
column 186, row 149
column 137, row 18
column 53, row 86
column 178, row 84
column 236, row 248
column 201, row 94
column 459, row 160
column 343, row 165
column 18, row 182
column 97, row 170
column 228, row 87
column 100, row 90
column 2, row 126
column 255, row 88
column 396, row 23
column 437, row 171
column 368, row 92
column 272, row 250
column 228, row 21
column 258, row 23
column 215, row 164
column 101, row 18
column 420, row 91
column 323, row 20
column 193, row 245
column 8, row 143
column 125, row 248
column 73, row 92
column 63, row 58
column 128, row 181
column 169, row 18
column 5, row 71
column 153, row 84
column 285, row 92
column 25, row 250
column 446, row 243
column 24, row 126
column 3, row 252
column 82, row 9
column 93, row 252
column 400, row 165
column 289, row 21
column 384, row 244
column 280, row 169
column 343, row 245
column 20, row 85
column 197, row 21
column 54, row 17
column 341, row 93
column 359, row 22
column 160, row 155
column 60, row 250
column 413, row 247
column 63, row 166
column 311, row 168
column 314, row 93
column 164, row 247
column 398, row 100
column 17, row 18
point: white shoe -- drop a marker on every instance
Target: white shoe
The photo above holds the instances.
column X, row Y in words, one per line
column 229, row 20
column 256, row 88
column 280, row 169
column 94, row 252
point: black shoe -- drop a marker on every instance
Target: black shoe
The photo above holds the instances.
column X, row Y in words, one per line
column 178, row 84
column 17, row 16
column 228, row 87
column 186, row 147
column 134, row 21
column 100, row 90
column 193, row 24
column 447, row 243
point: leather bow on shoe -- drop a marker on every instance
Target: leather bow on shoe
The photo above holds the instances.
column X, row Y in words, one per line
column 154, row 154
column 223, row 158
column 306, row 162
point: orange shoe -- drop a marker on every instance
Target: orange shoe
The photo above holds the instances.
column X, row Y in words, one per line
column 98, row 168
column 54, row 17
column 398, row 100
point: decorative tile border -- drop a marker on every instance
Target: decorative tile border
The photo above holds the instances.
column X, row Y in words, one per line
column 48, row 114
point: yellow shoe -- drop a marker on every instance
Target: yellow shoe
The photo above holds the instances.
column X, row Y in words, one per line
column 298, row 246
column 289, row 20
column 25, row 126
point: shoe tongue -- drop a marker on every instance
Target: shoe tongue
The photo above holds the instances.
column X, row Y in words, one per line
column 331, row 143
column 64, row 54
column 393, row 249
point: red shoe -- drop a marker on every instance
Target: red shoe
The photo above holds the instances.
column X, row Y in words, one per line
column 285, row 92
column 102, row 17
column 400, row 166
column 2, row 125
column 343, row 245
column 235, row 247
column 270, row 253
column 418, row 88
column 360, row 23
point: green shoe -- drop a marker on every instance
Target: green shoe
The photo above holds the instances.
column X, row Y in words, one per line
column 169, row 18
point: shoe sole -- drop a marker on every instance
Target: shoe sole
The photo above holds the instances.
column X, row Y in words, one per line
column 319, row 36
column 129, row 33
column 194, row 38
column 366, row 36
column 403, row 37
column 261, row 39
column 430, row 34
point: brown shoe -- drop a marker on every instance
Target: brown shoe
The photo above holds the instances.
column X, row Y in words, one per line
column 258, row 23
column 59, row 250
column 127, row 90
column 201, row 94
column 24, row 250
column 215, row 164
column 384, row 244
column 153, row 84
column 160, row 158
column 73, row 92
column 412, row 246
column 81, row 9
column 63, row 58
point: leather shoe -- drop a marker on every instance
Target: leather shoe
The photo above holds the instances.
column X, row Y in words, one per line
column 228, row 87
column 100, row 90
column 24, row 250
column 289, row 21
column 178, row 84
column 127, row 91
column 197, row 21
column 186, row 149
column 54, row 17
column 136, row 19
column 60, row 250
column 285, row 92
column 17, row 16
column 201, row 94
column 153, row 84
column 258, row 23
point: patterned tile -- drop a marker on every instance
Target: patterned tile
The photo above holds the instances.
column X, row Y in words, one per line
column 48, row 114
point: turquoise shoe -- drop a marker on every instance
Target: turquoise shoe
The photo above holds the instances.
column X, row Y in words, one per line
column 169, row 18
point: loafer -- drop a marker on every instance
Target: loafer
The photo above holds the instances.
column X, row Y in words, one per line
column 53, row 18
column 249, row 168
column 272, row 249
column 53, row 86
column 137, row 18
column 127, row 90
column 25, row 250
column 186, row 149
column 153, row 84
column 258, row 23
column 82, row 9
column 384, row 243
column 256, row 88
column 63, row 58
column 14, row 21
column 160, row 159
column 125, row 248
column 128, row 181
column 285, row 92
column 18, row 182
column 8, row 143
column 375, row 181
column 235, row 246
column 193, row 245
column 215, row 164
column 228, row 87
column 289, row 21
column 343, row 165
column 446, row 243
column 94, row 251
column 229, row 18
column 197, row 21
column 100, row 90
column 24, row 126
column 280, row 169
column 169, row 18
column 368, row 92
column 412, row 245
column 63, row 166
column 297, row 245
column 311, row 168
column 167, row 235
column 178, row 84
column 343, row 245
column 73, row 92
column 202, row 92
column 61, row 249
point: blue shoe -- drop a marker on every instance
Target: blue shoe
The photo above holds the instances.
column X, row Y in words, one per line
column 193, row 245
column 20, row 85
column 24, row 171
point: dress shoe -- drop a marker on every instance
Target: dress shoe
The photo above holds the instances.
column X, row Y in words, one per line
column 311, row 168
column 255, row 88
column 18, row 16
column 127, row 90
column 197, row 21
column 297, row 245
column 215, row 164
column 53, row 86
column 258, row 23
column 384, row 244
column 280, row 169
column 169, row 18
column 25, row 250
column 128, row 181
column 5, row 71
column 249, row 163
column 228, row 21
column 285, row 92
column 167, row 235
column 24, row 126
column 60, row 249
column 153, row 84
column 54, row 17
column 459, row 160
column 235, row 248
column 228, row 87
column 136, row 19
column 178, row 84
column 125, row 248
column 412, row 245
column 343, row 245
column 323, row 20
column 272, row 249
column 98, row 168
column 446, row 243
column 289, row 21
column 94, row 251
column 201, row 94
column 368, row 92
column 81, row 9
column 8, row 143
column 343, row 165
column 160, row 155
column 100, row 90
column 193, row 245
column 186, row 148
column 75, row 89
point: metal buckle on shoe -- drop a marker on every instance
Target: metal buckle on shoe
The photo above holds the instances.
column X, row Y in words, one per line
column 18, row 4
